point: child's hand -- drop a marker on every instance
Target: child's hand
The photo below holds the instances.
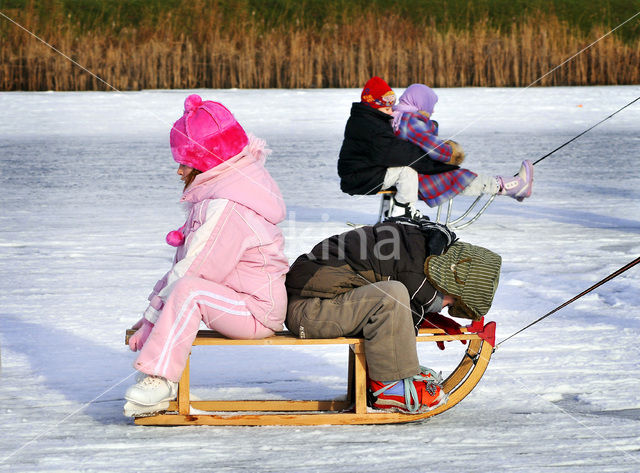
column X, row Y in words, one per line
column 136, row 341
column 437, row 320
column 457, row 155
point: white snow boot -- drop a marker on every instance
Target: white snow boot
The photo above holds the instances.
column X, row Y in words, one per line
column 152, row 390
column 131, row 409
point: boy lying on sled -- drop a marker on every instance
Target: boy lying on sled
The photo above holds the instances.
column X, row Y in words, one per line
column 381, row 283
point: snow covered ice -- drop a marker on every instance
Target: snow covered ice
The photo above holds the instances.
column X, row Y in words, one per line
column 89, row 190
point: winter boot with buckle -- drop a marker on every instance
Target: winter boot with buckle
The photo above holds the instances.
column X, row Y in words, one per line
column 419, row 393
column 152, row 390
column 520, row 186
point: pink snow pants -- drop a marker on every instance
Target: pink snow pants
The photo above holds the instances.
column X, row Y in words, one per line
column 194, row 300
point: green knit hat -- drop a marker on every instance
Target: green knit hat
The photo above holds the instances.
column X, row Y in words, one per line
column 468, row 273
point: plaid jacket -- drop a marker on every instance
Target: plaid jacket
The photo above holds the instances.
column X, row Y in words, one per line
column 435, row 188
column 423, row 132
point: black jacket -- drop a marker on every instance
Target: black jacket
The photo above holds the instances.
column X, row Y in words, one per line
column 370, row 147
column 385, row 251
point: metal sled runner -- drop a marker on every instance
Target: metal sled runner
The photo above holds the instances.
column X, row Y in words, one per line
column 352, row 410
column 458, row 223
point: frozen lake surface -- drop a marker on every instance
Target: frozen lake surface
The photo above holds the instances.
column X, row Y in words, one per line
column 89, row 190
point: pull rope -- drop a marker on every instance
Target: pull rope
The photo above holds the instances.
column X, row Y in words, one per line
column 599, row 283
column 585, row 131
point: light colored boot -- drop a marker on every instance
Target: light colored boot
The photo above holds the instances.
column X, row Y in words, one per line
column 152, row 390
column 520, row 186
column 131, row 409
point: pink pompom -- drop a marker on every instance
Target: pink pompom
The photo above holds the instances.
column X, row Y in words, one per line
column 192, row 102
column 175, row 238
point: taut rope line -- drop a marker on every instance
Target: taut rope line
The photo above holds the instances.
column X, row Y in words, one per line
column 586, row 291
column 585, row 131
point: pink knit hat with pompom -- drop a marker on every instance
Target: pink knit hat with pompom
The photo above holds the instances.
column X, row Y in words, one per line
column 206, row 135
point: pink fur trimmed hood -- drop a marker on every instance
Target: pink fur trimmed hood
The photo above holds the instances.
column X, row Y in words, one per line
column 242, row 179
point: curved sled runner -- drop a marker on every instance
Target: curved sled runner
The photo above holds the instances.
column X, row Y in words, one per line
column 352, row 410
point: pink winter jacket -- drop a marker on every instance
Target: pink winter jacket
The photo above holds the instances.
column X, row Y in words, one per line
column 231, row 236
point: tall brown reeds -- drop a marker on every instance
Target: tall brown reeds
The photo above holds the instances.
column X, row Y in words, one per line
column 217, row 52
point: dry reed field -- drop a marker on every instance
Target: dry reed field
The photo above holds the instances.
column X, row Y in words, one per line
column 219, row 52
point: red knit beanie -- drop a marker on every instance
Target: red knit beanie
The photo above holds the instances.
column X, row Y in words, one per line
column 377, row 93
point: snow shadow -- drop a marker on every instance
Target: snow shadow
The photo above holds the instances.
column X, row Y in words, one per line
column 329, row 214
column 573, row 404
column 82, row 371
column 571, row 216
column 75, row 367
column 269, row 372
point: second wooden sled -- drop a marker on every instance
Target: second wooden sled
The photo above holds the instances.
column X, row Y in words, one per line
column 352, row 410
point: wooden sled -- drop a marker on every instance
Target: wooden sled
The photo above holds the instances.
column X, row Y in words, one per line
column 352, row 410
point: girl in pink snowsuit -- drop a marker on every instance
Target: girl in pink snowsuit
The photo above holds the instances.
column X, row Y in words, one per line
column 229, row 267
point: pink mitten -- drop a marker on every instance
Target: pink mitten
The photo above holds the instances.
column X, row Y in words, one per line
column 144, row 327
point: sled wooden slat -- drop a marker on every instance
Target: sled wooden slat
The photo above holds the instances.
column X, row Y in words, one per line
column 272, row 406
column 351, row 410
column 208, row 337
column 321, row 418
column 184, row 406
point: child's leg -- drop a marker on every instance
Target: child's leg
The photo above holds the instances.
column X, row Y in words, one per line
column 405, row 180
column 380, row 312
column 482, row 184
column 519, row 186
column 234, row 326
column 192, row 300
